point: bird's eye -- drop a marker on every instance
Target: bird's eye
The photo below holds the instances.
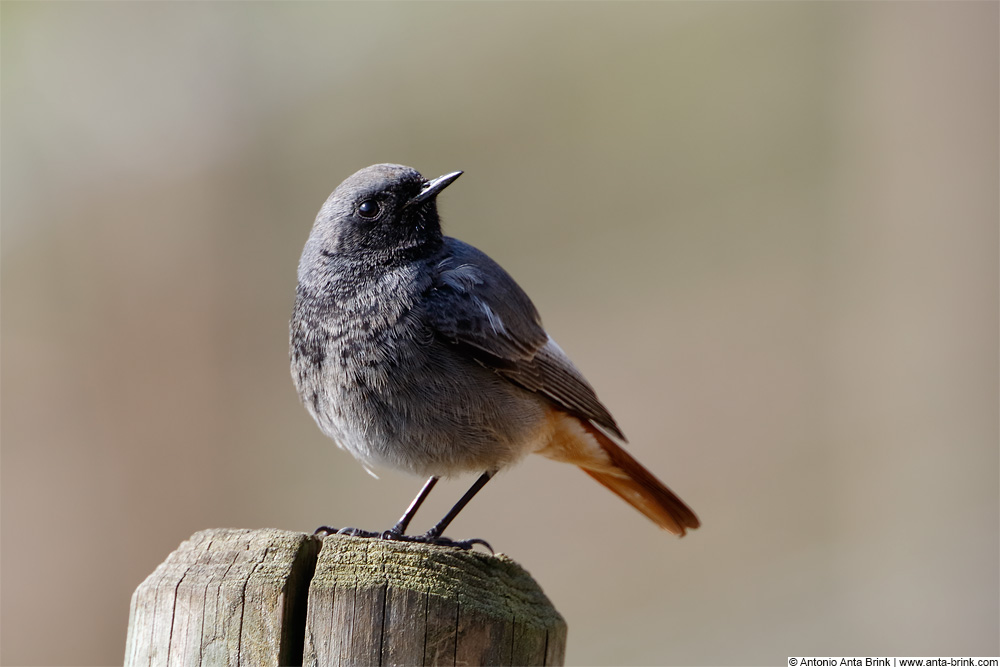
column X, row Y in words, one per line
column 369, row 208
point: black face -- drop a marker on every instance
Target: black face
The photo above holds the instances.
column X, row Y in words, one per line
column 379, row 211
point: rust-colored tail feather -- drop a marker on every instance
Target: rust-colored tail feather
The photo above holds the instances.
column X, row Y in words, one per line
column 639, row 488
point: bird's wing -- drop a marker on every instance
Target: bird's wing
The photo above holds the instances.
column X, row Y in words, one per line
column 474, row 304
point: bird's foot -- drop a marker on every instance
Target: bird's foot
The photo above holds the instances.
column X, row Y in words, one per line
column 353, row 532
column 441, row 541
column 426, row 538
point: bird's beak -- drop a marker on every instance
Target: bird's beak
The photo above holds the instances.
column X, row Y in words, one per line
column 434, row 187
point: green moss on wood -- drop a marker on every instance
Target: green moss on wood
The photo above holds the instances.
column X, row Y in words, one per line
column 490, row 584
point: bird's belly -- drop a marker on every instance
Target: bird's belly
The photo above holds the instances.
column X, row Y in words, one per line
column 431, row 414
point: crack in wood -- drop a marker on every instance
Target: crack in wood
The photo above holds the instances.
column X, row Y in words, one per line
column 270, row 597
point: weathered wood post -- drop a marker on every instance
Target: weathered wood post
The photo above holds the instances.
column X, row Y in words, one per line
column 376, row 602
column 224, row 597
column 269, row 597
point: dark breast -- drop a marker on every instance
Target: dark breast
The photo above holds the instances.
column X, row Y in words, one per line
column 377, row 379
column 355, row 331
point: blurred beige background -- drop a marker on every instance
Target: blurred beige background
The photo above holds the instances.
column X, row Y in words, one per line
column 768, row 234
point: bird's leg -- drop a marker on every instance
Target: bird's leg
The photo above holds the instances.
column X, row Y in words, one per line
column 439, row 527
column 400, row 528
column 434, row 535
column 396, row 531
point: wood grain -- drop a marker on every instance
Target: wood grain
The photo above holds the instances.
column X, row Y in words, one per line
column 398, row 603
column 271, row 597
column 224, row 597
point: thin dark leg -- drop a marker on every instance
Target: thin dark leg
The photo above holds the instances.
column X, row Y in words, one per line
column 432, row 536
column 404, row 521
column 438, row 529
column 396, row 531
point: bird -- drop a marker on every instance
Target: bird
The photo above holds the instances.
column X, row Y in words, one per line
column 416, row 351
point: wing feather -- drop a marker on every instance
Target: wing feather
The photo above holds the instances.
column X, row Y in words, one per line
column 477, row 306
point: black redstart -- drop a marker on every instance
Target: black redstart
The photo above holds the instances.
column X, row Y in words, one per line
column 416, row 351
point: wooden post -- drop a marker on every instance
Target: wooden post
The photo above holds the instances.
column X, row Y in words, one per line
column 378, row 602
column 241, row 597
column 224, row 597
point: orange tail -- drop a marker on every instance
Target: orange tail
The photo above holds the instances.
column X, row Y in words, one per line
column 613, row 467
column 637, row 486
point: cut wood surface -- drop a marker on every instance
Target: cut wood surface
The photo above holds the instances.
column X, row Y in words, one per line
column 271, row 597
column 224, row 597
column 375, row 602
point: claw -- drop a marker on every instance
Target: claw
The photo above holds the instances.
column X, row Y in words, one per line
column 446, row 541
column 426, row 538
column 468, row 544
column 353, row 532
column 357, row 532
